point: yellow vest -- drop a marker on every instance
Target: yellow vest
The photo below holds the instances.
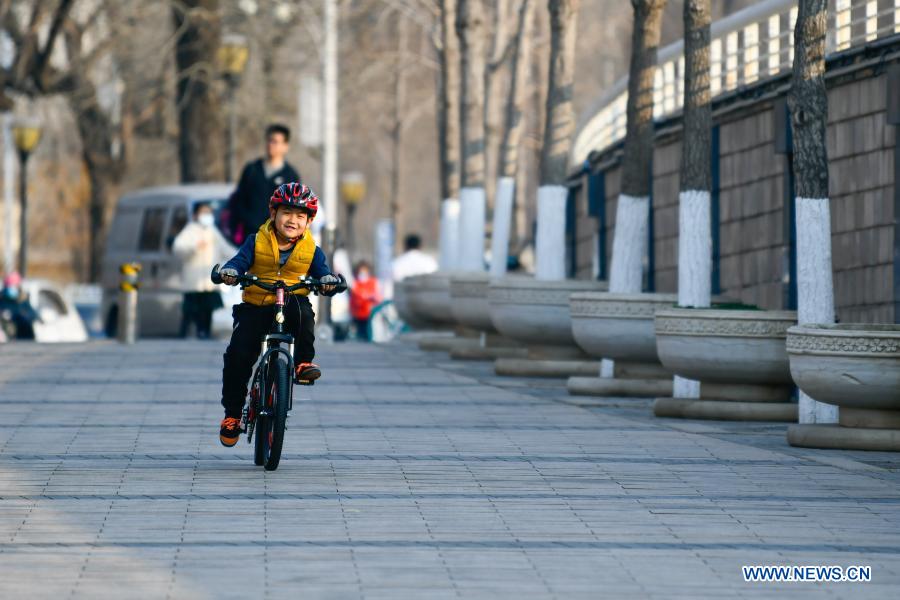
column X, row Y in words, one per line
column 266, row 264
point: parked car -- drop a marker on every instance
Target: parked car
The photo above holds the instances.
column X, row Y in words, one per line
column 143, row 230
column 58, row 320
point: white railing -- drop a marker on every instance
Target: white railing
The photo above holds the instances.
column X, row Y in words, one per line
column 749, row 45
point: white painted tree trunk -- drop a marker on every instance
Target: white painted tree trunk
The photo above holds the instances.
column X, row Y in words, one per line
column 694, row 265
column 815, row 288
column 449, row 243
column 550, row 245
column 626, row 273
column 503, row 208
column 472, row 220
column 629, row 244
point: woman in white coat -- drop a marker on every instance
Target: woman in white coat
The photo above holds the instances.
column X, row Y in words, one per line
column 200, row 246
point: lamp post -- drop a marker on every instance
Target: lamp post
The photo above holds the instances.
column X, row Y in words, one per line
column 353, row 190
column 232, row 59
column 26, row 135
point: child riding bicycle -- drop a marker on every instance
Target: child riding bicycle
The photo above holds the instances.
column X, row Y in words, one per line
column 284, row 249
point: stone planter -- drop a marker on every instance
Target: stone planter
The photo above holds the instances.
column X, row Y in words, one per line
column 620, row 327
column 738, row 356
column 429, row 297
column 469, row 301
column 405, row 309
column 536, row 314
column 856, row 367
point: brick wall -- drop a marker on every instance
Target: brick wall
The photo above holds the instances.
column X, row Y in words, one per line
column 861, row 187
column 753, row 244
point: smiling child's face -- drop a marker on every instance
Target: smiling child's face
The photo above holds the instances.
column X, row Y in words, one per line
column 290, row 222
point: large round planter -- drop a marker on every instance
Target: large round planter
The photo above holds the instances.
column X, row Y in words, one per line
column 856, row 367
column 618, row 326
column 726, row 346
column 738, row 356
column 469, row 301
column 404, row 306
column 429, row 297
column 536, row 312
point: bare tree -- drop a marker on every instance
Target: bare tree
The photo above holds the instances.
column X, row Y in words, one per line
column 560, row 123
column 448, row 101
column 559, row 127
column 201, row 132
column 630, row 238
column 694, row 229
column 104, row 138
column 513, row 125
column 470, row 24
column 513, row 120
column 808, row 103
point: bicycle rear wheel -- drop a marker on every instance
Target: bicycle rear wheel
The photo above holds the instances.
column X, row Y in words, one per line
column 270, row 429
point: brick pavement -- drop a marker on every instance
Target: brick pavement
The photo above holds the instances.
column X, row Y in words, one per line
column 406, row 475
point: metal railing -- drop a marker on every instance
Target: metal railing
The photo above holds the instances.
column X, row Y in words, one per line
column 745, row 47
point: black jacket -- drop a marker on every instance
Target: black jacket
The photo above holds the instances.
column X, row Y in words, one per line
column 250, row 202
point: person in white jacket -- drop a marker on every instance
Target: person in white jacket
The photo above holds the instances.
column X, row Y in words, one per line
column 200, row 246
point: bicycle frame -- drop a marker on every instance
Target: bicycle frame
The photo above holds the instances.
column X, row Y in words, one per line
column 272, row 344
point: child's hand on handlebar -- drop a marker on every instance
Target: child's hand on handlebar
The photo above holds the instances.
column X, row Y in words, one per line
column 229, row 276
column 326, row 280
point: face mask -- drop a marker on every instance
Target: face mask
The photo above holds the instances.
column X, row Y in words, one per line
column 206, row 219
column 362, row 276
column 11, row 293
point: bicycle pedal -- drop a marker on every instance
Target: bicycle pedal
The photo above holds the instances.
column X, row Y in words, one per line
column 306, row 382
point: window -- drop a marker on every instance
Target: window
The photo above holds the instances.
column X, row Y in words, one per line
column 152, row 229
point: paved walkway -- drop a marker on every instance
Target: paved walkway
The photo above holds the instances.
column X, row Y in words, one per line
column 407, row 475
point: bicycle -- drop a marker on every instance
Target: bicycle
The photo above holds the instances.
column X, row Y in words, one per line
column 271, row 393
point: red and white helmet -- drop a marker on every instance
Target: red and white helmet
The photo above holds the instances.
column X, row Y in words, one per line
column 295, row 194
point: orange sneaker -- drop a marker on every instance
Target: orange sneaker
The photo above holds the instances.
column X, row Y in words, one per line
column 230, row 431
column 306, row 373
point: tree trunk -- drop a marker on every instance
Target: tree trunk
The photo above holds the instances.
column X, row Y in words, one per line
column 694, row 218
column 559, row 127
column 513, row 121
column 104, row 172
column 201, row 132
column 448, row 102
column 630, row 239
column 513, row 124
column 560, row 124
column 808, row 103
column 496, row 90
column 470, row 29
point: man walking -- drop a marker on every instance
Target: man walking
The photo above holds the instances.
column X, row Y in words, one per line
column 249, row 204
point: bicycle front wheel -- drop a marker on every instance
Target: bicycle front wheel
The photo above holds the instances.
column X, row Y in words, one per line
column 270, row 429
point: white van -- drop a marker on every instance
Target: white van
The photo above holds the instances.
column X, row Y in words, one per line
column 143, row 229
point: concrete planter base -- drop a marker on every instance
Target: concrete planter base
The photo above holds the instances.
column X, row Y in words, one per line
column 844, row 438
column 724, row 410
column 531, row 367
column 488, row 353
column 614, row 386
column 459, row 339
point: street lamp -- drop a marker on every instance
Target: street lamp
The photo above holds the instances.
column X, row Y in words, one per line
column 26, row 135
column 353, row 190
column 232, row 60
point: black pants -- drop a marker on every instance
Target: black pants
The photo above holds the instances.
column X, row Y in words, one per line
column 197, row 308
column 251, row 324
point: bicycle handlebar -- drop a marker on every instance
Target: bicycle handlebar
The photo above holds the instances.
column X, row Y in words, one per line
column 308, row 283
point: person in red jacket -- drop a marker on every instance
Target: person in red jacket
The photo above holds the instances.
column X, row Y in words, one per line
column 364, row 296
